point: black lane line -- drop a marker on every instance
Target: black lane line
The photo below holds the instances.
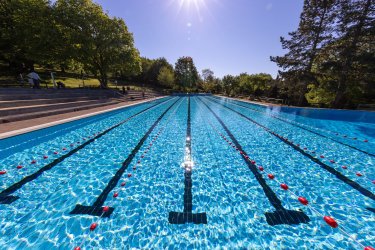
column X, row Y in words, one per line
column 6, row 198
column 96, row 209
column 281, row 215
column 331, row 170
column 188, row 216
column 299, row 126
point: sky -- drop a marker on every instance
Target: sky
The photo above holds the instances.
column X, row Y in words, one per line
column 226, row 36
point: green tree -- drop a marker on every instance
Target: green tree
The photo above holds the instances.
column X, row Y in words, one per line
column 102, row 44
column 156, row 67
column 354, row 48
column 186, row 73
column 261, row 83
column 166, row 77
column 151, row 69
column 230, row 84
column 314, row 31
column 27, row 32
column 208, row 75
column 209, row 83
column 245, row 86
column 319, row 96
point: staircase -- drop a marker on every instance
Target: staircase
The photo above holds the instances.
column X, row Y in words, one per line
column 18, row 104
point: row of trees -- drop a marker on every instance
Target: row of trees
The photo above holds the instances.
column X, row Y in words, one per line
column 66, row 33
column 330, row 58
column 185, row 77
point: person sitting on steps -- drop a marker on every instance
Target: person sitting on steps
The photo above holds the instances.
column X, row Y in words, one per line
column 34, row 79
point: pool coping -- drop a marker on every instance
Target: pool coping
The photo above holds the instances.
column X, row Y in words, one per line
column 252, row 102
column 268, row 104
column 74, row 118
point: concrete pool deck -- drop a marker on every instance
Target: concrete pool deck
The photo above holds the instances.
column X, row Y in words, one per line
column 25, row 126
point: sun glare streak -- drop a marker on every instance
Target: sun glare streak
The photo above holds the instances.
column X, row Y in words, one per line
column 188, row 5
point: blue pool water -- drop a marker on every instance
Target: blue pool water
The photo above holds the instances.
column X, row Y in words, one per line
column 243, row 206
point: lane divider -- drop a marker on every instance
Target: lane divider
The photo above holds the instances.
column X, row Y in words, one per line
column 322, row 157
column 81, row 140
column 326, row 167
column 328, row 219
column 6, row 198
column 107, row 209
column 281, row 215
column 361, row 173
column 297, row 123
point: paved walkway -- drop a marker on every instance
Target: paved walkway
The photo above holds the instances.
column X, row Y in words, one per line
column 20, row 127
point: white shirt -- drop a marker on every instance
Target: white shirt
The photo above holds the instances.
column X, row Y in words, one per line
column 33, row 75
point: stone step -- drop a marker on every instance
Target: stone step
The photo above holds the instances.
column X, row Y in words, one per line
column 19, row 117
column 53, row 94
column 47, row 107
column 19, row 103
column 49, row 96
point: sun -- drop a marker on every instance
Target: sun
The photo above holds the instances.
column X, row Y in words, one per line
column 188, row 5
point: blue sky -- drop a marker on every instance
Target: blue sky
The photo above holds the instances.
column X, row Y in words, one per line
column 227, row 36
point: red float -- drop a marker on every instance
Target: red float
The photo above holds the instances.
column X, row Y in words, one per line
column 33, row 161
column 64, row 149
column 261, row 168
column 373, row 182
column 284, row 186
column 93, row 226
column 3, row 172
column 322, row 156
column 134, row 168
column 72, row 145
column 115, row 194
column 45, row 157
column 303, row 200
column 253, row 162
column 330, row 221
column 365, row 140
column 142, row 156
column 331, row 161
column 359, row 174
column 77, row 248
column 123, row 184
column 369, row 248
column 19, row 166
column 129, row 175
column 55, row 153
column 304, row 148
column 105, row 209
column 344, row 167
column 271, row 176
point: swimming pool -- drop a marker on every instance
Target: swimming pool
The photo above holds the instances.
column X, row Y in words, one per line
column 190, row 172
